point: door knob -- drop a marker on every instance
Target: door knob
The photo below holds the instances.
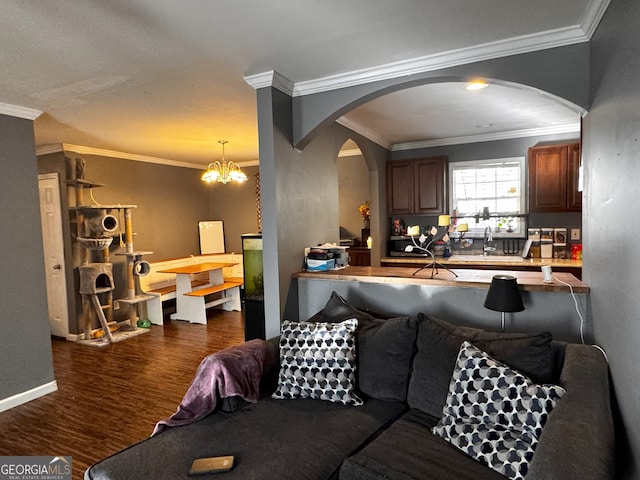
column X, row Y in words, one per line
column 57, row 266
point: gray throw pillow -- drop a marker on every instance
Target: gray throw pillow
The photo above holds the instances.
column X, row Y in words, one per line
column 384, row 349
column 438, row 345
column 338, row 310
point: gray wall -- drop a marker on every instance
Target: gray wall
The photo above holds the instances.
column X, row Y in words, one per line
column 612, row 173
column 25, row 344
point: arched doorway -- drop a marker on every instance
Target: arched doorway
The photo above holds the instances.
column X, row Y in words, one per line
column 354, row 190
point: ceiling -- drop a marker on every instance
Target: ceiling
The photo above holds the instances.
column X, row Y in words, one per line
column 168, row 79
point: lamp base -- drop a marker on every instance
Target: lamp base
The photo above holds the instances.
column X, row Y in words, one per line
column 434, row 268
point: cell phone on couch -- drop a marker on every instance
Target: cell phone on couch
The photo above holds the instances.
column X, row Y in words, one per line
column 203, row 466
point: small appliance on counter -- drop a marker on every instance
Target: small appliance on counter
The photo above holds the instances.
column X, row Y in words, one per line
column 325, row 257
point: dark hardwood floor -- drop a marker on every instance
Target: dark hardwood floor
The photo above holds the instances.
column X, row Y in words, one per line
column 111, row 397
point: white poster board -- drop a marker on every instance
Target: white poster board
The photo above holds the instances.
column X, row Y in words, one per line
column 211, row 237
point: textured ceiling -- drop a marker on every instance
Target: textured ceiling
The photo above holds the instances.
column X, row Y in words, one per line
column 166, row 79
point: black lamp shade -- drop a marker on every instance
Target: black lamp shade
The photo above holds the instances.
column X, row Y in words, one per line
column 503, row 295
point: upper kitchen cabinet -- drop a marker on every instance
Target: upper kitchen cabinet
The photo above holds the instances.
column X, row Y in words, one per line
column 417, row 186
column 553, row 178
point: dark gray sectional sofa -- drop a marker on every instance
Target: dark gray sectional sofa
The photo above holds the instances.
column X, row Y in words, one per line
column 404, row 368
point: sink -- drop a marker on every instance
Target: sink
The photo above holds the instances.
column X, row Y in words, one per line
column 487, row 258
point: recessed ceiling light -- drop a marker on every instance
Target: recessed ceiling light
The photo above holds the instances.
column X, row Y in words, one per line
column 476, row 85
column 484, row 125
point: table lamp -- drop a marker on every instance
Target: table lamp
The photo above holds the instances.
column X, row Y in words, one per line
column 504, row 296
column 443, row 221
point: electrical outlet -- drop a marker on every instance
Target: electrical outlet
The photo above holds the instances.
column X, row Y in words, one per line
column 116, row 305
column 575, row 234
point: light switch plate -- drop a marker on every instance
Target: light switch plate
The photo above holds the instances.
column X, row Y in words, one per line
column 575, row 234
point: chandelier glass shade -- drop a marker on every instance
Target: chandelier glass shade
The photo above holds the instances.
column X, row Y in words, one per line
column 223, row 171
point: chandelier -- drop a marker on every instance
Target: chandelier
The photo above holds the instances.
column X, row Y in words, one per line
column 223, row 171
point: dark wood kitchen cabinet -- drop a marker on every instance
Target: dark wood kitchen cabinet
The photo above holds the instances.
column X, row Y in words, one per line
column 417, row 186
column 359, row 256
column 553, row 178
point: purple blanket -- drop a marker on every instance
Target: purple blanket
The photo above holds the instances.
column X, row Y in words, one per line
column 232, row 371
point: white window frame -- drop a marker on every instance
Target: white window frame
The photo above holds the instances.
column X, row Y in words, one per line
column 476, row 230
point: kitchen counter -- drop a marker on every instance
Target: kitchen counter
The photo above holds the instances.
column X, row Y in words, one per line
column 478, row 262
column 469, row 278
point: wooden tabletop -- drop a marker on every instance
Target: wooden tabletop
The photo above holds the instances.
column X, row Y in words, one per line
column 198, row 268
column 467, row 278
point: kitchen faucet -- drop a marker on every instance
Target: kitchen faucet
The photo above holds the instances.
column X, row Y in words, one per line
column 488, row 245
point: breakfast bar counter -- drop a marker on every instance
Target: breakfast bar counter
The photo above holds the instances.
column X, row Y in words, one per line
column 560, row 307
column 528, row 281
column 490, row 263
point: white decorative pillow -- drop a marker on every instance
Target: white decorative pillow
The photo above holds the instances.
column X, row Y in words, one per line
column 494, row 413
column 318, row 360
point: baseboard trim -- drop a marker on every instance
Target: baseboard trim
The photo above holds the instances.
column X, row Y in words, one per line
column 24, row 397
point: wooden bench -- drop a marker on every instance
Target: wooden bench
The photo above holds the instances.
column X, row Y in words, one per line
column 203, row 292
column 226, row 295
column 169, row 292
column 162, row 286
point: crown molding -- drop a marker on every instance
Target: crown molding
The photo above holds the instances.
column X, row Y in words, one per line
column 48, row 149
column 594, row 14
column 365, row 132
column 20, row 112
column 83, row 150
column 489, row 137
column 488, row 51
column 502, row 48
column 270, row 79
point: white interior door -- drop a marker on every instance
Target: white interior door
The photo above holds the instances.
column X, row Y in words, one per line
column 53, row 243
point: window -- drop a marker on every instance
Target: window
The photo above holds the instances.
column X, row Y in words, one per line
column 489, row 193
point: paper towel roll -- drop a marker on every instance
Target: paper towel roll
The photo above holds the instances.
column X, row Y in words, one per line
column 547, row 275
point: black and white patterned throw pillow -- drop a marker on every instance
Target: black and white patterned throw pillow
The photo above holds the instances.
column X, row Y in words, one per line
column 494, row 413
column 317, row 360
